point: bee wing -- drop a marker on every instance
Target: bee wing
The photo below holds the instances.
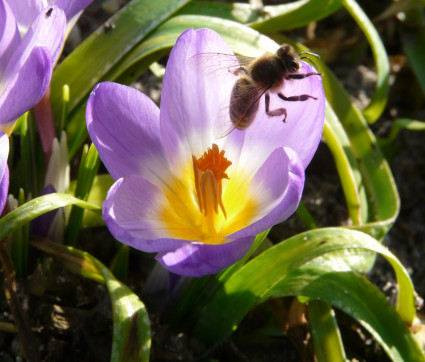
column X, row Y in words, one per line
column 210, row 63
column 224, row 125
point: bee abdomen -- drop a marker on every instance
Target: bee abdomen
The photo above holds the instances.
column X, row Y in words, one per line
column 243, row 104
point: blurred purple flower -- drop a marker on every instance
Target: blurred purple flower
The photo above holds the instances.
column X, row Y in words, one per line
column 26, row 64
column 26, row 11
column 196, row 200
column 4, row 170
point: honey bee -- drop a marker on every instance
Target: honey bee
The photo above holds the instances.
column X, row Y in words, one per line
column 262, row 76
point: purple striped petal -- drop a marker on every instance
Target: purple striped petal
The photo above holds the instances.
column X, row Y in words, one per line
column 47, row 31
column 131, row 211
column 123, row 124
column 304, row 124
column 26, row 11
column 9, row 36
column 278, row 185
column 196, row 260
column 28, row 86
column 190, row 100
column 28, row 72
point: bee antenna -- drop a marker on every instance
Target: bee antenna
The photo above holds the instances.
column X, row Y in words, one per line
column 310, row 53
column 311, row 61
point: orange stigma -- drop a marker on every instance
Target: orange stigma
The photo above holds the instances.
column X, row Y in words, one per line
column 210, row 170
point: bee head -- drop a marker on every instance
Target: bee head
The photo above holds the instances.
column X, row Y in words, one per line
column 290, row 58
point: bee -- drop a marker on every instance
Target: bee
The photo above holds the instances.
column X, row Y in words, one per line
column 262, row 76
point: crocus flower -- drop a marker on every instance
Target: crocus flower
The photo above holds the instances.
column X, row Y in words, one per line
column 26, row 64
column 196, row 200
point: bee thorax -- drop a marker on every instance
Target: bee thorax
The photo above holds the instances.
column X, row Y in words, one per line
column 268, row 71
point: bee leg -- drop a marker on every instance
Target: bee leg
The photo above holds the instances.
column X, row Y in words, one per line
column 302, row 75
column 275, row 112
column 300, row 98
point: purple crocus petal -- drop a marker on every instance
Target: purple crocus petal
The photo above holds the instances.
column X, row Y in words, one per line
column 28, row 72
column 47, row 31
column 4, row 170
column 123, row 124
column 196, row 260
column 131, row 211
column 4, row 152
column 28, row 86
column 304, row 124
column 71, row 8
column 9, row 36
column 4, row 188
column 190, row 100
column 26, row 11
column 278, row 185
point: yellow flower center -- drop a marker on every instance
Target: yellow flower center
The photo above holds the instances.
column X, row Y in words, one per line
column 199, row 207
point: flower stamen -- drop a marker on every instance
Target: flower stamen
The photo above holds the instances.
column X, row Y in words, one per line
column 209, row 171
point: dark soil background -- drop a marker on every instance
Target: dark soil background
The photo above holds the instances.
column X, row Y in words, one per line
column 71, row 316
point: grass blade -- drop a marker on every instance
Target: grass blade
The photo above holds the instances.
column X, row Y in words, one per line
column 131, row 333
column 326, row 337
column 36, row 207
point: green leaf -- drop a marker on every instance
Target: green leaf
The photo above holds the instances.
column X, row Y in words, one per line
column 268, row 18
column 356, row 296
column 201, row 290
column 414, row 47
column 294, row 15
column 326, row 337
column 253, row 282
column 119, row 265
column 131, row 333
column 99, row 189
column 379, row 99
column 36, row 207
column 89, row 165
column 383, row 202
column 347, row 167
column 20, row 244
column 306, row 217
column 29, row 177
column 400, row 124
column 366, row 178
